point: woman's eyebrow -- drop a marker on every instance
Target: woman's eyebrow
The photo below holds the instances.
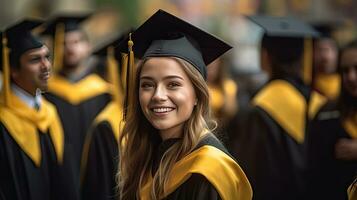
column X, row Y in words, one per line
column 166, row 77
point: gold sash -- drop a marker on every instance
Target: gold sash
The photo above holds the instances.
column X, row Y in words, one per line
column 217, row 167
column 287, row 106
column 23, row 123
column 328, row 85
column 75, row 93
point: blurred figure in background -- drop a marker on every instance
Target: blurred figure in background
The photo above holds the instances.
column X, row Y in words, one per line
column 78, row 94
column 100, row 157
column 326, row 80
column 223, row 93
column 32, row 157
column 332, row 140
column 268, row 139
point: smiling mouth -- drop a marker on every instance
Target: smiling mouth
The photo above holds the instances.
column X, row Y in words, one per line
column 162, row 110
column 45, row 76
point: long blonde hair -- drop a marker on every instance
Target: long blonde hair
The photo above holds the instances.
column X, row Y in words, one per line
column 139, row 138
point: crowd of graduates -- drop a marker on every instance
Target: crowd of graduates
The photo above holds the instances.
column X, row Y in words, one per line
column 78, row 122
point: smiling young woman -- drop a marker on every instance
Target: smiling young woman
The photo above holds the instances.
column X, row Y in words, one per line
column 167, row 150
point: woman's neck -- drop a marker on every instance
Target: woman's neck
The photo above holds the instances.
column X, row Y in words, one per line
column 173, row 132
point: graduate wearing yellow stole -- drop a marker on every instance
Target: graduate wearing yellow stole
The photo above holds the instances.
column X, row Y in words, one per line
column 332, row 142
column 78, row 93
column 269, row 138
column 33, row 161
column 167, row 150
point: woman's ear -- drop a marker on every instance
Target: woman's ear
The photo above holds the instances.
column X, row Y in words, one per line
column 196, row 102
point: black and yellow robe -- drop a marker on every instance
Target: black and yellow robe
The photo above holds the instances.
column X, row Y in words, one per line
column 33, row 161
column 329, row 177
column 208, row 172
column 78, row 104
column 268, row 138
column 100, row 159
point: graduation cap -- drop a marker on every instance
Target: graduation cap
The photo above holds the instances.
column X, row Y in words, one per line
column 20, row 39
column 165, row 35
column 327, row 28
column 56, row 27
column 16, row 40
column 69, row 21
column 280, row 32
column 113, row 41
column 284, row 27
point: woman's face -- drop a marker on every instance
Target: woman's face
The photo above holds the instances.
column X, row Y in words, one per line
column 166, row 95
column 349, row 71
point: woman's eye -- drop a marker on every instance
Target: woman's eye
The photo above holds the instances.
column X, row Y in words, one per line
column 146, row 85
column 173, row 85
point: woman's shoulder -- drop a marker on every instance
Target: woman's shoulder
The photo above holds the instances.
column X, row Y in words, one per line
column 211, row 160
column 211, row 140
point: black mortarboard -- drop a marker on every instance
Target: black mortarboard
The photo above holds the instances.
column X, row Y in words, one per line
column 164, row 34
column 327, row 28
column 70, row 21
column 113, row 41
column 20, row 39
column 287, row 39
column 284, row 27
column 56, row 27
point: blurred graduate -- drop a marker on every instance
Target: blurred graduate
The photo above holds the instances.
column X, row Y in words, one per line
column 75, row 90
column 100, row 157
column 268, row 139
column 32, row 156
column 332, row 141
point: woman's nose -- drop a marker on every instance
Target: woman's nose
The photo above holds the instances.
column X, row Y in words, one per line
column 160, row 94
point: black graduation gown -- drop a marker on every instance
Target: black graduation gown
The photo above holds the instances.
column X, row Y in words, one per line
column 21, row 179
column 197, row 187
column 329, row 177
column 101, row 166
column 274, row 161
column 76, row 120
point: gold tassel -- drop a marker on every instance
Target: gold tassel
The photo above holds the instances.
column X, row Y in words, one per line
column 130, row 82
column 124, row 70
column 307, row 63
column 58, row 47
column 6, row 71
column 114, row 75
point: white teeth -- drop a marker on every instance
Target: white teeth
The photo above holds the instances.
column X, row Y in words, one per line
column 162, row 110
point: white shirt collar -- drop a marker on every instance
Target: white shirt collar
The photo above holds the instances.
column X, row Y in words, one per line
column 26, row 97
